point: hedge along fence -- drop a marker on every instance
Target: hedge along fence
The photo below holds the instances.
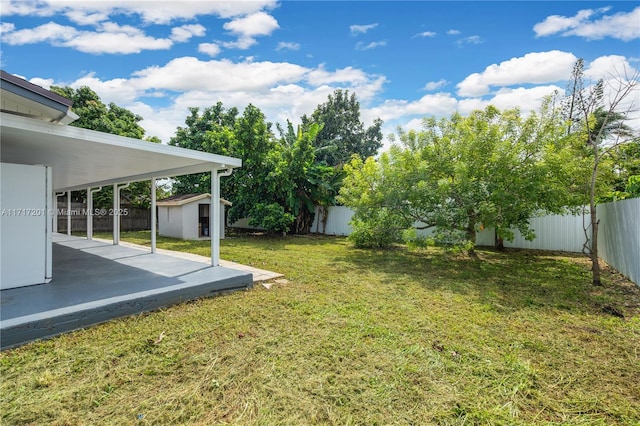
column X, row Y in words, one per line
column 131, row 218
column 618, row 237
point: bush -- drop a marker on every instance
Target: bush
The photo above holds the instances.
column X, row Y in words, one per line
column 271, row 217
column 376, row 228
column 415, row 241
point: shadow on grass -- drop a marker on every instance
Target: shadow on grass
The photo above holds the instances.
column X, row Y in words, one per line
column 510, row 280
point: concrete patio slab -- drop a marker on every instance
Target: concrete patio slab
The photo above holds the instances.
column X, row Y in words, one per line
column 259, row 275
column 94, row 282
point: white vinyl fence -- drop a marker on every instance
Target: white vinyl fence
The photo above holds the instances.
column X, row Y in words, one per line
column 618, row 237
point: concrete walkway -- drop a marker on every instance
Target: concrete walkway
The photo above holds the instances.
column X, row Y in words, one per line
column 259, row 275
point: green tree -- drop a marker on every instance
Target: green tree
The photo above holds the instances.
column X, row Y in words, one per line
column 342, row 133
column 599, row 122
column 95, row 115
column 212, row 131
column 462, row 174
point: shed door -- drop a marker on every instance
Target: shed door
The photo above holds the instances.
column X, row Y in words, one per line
column 23, row 205
column 203, row 220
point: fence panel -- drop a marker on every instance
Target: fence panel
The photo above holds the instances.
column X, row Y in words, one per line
column 554, row 232
column 136, row 219
column 337, row 221
column 619, row 236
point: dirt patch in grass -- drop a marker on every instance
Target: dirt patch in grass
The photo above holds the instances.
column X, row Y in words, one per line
column 355, row 337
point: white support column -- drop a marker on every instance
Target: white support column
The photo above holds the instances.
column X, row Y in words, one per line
column 90, row 211
column 214, row 212
column 68, row 212
column 116, row 206
column 153, row 215
column 50, row 219
column 214, row 215
column 116, row 211
column 55, row 211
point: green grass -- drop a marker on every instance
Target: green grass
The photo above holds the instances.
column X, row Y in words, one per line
column 357, row 337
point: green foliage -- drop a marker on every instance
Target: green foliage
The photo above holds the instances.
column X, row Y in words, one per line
column 212, row 131
column 95, row 115
column 458, row 175
column 275, row 172
column 631, row 190
column 271, row 217
column 343, row 134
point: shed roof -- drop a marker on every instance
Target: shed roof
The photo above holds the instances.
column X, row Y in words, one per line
column 182, row 199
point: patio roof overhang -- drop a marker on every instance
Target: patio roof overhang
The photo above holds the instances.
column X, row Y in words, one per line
column 82, row 158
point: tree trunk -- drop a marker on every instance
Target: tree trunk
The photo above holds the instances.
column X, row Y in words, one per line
column 595, row 262
column 471, row 234
column 498, row 242
column 324, row 214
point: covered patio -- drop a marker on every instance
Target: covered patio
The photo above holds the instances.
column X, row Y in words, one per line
column 52, row 283
column 94, row 281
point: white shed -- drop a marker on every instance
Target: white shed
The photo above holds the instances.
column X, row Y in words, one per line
column 187, row 216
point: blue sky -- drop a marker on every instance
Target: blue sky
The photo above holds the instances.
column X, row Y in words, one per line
column 404, row 60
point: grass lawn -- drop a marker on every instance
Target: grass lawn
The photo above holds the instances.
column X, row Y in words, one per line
column 357, row 337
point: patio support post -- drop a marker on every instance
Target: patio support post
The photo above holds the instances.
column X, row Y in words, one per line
column 115, row 217
column 48, row 268
column 89, row 214
column 90, row 211
column 55, row 212
column 214, row 215
column 153, row 215
column 116, row 211
column 68, row 212
column 214, row 231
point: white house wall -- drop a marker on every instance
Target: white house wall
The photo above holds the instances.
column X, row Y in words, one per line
column 24, row 235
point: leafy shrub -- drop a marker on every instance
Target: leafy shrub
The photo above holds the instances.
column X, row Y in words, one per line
column 375, row 228
column 271, row 217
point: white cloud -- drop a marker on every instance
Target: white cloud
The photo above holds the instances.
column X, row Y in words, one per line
column 284, row 45
column 435, row 104
column 373, row 45
column 526, row 99
column 536, row 67
column 248, row 20
column 320, row 76
column 608, row 67
column 149, row 11
column 281, row 90
column 361, row 29
column 47, row 32
column 435, row 85
column 86, row 18
column 188, row 73
column 6, row 27
column 185, row 32
column 211, row 49
column 621, row 25
column 111, row 38
column 474, row 39
column 248, row 27
column 426, row 34
column 453, row 32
